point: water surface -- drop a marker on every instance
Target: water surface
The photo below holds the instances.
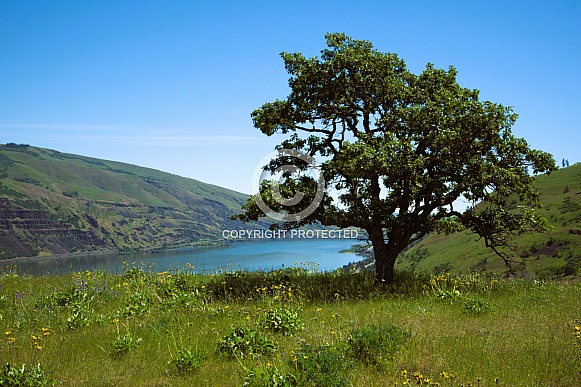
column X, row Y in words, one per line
column 264, row 255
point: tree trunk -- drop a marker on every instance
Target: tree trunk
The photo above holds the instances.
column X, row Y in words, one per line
column 384, row 257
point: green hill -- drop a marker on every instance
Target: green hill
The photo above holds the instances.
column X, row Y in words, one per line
column 53, row 202
column 551, row 255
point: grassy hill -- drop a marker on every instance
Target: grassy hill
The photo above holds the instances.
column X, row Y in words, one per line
column 551, row 255
column 53, row 202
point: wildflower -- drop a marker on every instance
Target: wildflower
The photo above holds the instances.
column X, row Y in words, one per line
column 269, row 364
column 38, row 347
column 319, row 310
column 7, row 332
column 11, row 340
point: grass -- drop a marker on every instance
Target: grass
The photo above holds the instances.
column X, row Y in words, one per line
column 551, row 255
column 142, row 328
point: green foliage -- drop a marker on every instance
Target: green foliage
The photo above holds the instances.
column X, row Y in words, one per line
column 79, row 316
column 187, row 360
column 269, row 377
column 243, row 342
column 448, row 295
column 399, row 149
column 292, row 284
column 343, row 341
column 376, row 344
column 14, row 375
column 137, row 304
column 125, row 343
column 76, row 303
column 553, row 272
column 321, row 366
column 569, row 205
column 282, row 320
column 474, row 307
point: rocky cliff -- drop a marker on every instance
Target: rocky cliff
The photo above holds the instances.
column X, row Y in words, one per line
column 53, row 203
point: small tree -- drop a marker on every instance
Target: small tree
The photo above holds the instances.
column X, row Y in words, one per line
column 399, row 149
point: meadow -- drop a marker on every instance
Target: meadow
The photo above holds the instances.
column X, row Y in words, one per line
column 290, row 327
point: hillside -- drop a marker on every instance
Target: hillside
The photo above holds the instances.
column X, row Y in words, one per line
column 551, row 255
column 53, row 203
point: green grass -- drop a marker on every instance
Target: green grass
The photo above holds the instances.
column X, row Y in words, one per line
column 550, row 255
column 143, row 328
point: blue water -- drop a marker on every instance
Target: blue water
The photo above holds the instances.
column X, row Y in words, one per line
column 324, row 254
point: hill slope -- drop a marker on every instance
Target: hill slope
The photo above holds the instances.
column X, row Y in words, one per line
column 555, row 254
column 53, row 202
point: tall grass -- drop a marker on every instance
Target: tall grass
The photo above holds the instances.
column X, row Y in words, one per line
column 145, row 328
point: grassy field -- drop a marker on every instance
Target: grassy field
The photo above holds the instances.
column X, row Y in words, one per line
column 289, row 327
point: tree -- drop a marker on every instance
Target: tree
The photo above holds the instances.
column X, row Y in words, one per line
column 399, row 149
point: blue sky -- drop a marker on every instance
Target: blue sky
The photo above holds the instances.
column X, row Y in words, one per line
column 171, row 84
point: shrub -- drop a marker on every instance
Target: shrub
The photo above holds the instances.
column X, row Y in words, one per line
column 138, row 304
column 374, row 344
column 321, row 366
column 245, row 342
column 473, row 307
column 79, row 316
column 24, row 375
column 269, row 377
column 282, row 320
column 122, row 344
column 188, row 361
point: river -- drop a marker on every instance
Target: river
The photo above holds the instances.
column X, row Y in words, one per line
column 322, row 254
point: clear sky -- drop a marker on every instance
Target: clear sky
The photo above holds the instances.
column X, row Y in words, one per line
column 171, row 84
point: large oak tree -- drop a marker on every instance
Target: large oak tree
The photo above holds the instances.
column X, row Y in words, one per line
column 398, row 150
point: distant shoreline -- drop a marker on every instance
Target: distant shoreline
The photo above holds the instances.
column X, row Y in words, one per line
column 8, row 261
